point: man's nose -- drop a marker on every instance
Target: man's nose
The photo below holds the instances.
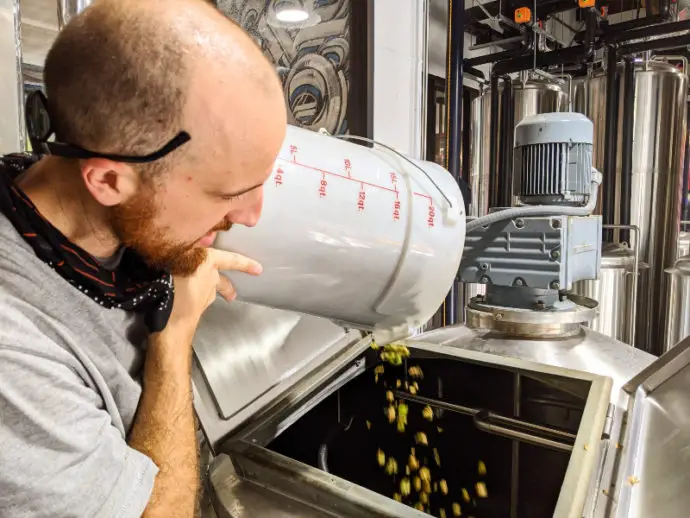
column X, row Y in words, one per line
column 249, row 215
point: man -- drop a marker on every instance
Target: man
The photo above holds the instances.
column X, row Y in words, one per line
column 167, row 121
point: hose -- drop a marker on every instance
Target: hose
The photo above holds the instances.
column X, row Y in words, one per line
column 323, row 449
column 323, row 458
column 544, row 210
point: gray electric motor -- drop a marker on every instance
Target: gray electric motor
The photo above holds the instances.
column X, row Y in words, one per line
column 552, row 159
column 527, row 254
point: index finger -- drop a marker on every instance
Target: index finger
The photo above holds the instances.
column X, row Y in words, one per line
column 223, row 260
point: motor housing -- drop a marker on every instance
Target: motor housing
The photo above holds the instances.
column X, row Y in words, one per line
column 552, row 159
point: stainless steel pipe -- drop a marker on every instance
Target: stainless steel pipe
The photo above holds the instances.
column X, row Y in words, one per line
column 496, row 424
column 68, row 9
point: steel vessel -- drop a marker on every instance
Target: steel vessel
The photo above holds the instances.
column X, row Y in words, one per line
column 678, row 318
column 683, row 243
column 613, row 290
column 592, row 415
column 658, row 152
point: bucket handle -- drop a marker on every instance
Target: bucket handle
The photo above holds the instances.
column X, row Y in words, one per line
column 324, row 131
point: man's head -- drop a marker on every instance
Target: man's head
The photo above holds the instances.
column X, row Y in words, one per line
column 126, row 76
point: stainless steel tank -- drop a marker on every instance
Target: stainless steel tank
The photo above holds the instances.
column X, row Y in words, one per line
column 683, row 243
column 658, row 152
column 613, row 290
column 678, row 319
column 480, row 128
column 493, row 409
column 68, row 9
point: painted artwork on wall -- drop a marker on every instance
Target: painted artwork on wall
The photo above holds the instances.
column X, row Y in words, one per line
column 312, row 56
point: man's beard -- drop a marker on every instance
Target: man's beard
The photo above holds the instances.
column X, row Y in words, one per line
column 133, row 224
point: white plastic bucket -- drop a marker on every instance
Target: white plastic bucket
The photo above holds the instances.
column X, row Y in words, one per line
column 357, row 235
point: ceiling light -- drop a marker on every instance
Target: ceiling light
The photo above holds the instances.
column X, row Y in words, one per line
column 292, row 15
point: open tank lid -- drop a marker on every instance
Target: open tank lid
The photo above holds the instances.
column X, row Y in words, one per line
column 654, row 479
column 247, row 356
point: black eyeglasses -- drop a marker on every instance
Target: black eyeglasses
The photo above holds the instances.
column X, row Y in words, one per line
column 40, row 129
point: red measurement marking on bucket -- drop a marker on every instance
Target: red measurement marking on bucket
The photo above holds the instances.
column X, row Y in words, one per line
column 322, row 186
column 394, row 181
column 396, row 210
column 293, row 153
column 278, row 178
column 348, row 168
column 361, row 194
column 432, row 216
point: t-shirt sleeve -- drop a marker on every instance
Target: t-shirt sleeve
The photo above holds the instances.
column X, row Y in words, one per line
column 60, row 455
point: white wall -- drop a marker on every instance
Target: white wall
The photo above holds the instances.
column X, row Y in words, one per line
column 39, row 29
column 399, row 73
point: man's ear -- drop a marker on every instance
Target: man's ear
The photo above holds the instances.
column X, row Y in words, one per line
column 110, row 183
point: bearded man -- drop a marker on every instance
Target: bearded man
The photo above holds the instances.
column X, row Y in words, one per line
column 167, row 119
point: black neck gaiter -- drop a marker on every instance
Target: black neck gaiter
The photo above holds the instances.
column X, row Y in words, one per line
column 131, row 286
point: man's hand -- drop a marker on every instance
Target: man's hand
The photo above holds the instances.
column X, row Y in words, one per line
column 195, row 293
column 164, row 427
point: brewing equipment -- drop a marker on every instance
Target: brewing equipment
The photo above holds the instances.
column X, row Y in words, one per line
column 527, row 256
column 613, row 290
column 456, row 420
column 678, row 318
column 302, row 437
column 293, row 405
column 480, row 128
column 683, row 243
column 303, row 441
column 657, row 161
column 530, row 96
column 67, row 9
column 326, row 455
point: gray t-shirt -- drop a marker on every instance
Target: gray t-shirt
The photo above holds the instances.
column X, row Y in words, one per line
column 69, row 389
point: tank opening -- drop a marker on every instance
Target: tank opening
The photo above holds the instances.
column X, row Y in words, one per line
column 352, row 433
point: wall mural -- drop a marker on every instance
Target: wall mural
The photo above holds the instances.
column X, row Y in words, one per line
column 312, row 61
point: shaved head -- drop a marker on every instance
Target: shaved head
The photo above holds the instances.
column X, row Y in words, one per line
column 126, row 76
column 118, row 76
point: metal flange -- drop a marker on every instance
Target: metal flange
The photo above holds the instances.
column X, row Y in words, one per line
column 535, row 323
